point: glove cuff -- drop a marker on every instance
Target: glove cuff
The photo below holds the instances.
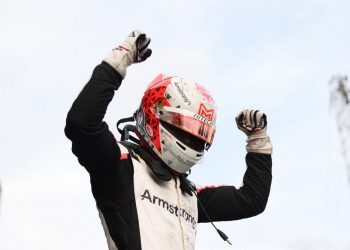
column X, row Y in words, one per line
column 119, row 60
column 259, row 144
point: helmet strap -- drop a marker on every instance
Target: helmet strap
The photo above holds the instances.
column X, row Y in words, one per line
column 157, row 166
column 125, row 132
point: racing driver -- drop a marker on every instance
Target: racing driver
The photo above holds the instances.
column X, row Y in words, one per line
column 140, row 184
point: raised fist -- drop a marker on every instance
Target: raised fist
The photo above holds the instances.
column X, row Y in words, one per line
column 251, row 121
column 134, row 49
column 254, row 124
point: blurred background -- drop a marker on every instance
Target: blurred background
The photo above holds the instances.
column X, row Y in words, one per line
column 277, row 56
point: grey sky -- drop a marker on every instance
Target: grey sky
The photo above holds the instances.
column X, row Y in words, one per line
column 276, row 56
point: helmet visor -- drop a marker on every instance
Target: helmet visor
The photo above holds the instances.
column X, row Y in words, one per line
column 192, row 123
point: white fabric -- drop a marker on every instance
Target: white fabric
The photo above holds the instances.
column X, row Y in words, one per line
column 259, row 144
column 167, row 218
column 119, row 59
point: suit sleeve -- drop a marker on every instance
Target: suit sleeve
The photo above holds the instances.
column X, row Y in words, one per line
column 225, row 203
column 92, row 142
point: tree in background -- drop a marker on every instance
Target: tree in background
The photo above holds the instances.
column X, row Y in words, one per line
column 340, row 103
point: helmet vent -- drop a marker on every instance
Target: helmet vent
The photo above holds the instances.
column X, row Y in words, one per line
column 181, row 146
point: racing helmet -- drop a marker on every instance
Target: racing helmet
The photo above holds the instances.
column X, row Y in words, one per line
column 176, row 120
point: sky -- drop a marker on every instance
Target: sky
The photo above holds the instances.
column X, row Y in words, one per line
column 276, row 56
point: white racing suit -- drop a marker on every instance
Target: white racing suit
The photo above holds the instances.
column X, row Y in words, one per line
column 138, row 210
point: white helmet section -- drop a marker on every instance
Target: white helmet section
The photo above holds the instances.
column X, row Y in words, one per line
column 185, row 96
column 177, row 155
column 185, row 105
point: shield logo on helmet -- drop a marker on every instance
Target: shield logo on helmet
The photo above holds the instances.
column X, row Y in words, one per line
column 207, row 113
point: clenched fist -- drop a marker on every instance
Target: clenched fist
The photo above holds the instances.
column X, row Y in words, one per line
column 254, row 124
column 133, row 50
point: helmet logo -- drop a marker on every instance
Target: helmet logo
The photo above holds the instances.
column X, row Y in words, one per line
column 149, row 131
column 203, row 119
column 207, row 113
column 186, row 100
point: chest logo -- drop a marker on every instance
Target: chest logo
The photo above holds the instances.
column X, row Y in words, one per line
column 172, row 209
